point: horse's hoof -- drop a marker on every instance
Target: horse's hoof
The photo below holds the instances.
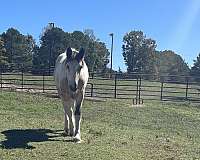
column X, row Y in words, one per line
column 80, row 141
column 77, row 138
column 65, row 133
column 71, row 134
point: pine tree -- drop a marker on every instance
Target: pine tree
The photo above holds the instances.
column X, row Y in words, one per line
column 19, row 48
column 195, row 70
column 3, row 58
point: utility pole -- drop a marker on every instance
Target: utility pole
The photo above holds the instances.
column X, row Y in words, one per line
column 111, row 56
column 51, row 25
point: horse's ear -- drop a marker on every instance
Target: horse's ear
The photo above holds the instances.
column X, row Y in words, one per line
column 80, row 55
column 69, row 53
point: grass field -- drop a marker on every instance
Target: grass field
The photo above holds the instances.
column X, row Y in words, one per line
column 31, row 128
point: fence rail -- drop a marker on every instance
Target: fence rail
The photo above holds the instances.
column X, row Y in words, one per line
column 139, row 87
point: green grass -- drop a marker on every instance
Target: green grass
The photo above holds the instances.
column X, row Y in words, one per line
column 31, row 128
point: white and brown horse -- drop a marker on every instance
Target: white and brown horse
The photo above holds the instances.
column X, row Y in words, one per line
column 71, row 76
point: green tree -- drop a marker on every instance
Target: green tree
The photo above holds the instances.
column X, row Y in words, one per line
column 139, row 52
column 37, row 60
column 97, row 56
column 171, row 64
column 79, row 39
column 3, row 58
column 19, row 48
column 53, row 42
column 96, row 52
column 90, row 34
column 195, row 70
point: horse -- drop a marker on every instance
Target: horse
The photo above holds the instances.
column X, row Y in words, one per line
column 71, row 77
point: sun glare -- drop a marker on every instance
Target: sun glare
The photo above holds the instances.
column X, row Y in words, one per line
column 185, row 24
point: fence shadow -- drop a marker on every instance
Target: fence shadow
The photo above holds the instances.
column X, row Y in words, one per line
column 20, row 138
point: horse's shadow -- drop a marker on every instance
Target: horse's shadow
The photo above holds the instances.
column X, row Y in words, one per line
column 21, row 138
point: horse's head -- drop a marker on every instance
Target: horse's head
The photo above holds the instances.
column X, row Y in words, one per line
column 74, row 65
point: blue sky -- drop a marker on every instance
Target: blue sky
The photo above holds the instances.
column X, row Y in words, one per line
column 174, row 24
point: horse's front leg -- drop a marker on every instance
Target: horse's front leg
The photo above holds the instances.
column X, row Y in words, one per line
column 66, row 122
column 78, row 105
column 69, row 126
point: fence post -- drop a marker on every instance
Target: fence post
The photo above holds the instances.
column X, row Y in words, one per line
column 140, row 89
column 115, row 86
column 43, row 82
column 22, row 83
column 187, row 87
column 91, row 94
column 92, row 75
column 136, row 99
column 1, row 79
column 161, row 91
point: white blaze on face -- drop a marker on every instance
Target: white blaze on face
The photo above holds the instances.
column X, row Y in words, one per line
column 74, row 64
column 73, row 73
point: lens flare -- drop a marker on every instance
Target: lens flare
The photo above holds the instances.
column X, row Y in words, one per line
column 185, row 25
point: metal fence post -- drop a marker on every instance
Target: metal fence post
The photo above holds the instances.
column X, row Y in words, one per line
column 91, row 94
column 43, row 82
column 140, row 89
column 22, row 83
column 187, row 87
column 1, row 79
column 161, row 91
column 115, row 86
column 92, row 75
column 137, row 92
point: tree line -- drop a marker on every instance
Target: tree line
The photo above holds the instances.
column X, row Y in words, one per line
column 21, row 51
column 140, row 56
column 139, row 52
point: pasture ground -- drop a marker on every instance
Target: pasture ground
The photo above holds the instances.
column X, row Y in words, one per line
column 31, row 128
